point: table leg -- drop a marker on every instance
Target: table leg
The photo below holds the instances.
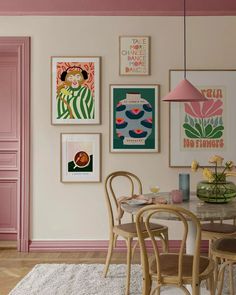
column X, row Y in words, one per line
column 190, row 243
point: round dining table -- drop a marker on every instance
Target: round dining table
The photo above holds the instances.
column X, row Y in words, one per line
column 203, row 211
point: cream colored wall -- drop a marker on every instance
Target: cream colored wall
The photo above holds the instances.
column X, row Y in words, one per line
column 77, row 211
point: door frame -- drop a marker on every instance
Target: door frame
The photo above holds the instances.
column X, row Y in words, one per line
column 21, row 45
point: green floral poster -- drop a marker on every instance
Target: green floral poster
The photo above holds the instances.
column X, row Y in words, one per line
column 203, row 123
column 200, row 129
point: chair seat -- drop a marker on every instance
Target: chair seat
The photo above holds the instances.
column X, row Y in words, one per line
column 169, row 265
column 225, row 245
column 131, row 227
column 219, row 228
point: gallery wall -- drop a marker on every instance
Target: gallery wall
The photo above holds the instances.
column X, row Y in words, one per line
column 64, row 211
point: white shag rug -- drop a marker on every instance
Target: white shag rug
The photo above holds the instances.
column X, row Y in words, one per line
column 84, row 279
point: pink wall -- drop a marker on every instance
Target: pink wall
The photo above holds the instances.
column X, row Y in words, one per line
column 114, row 7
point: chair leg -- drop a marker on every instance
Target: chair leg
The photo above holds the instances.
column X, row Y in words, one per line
column 210, row 257
column 147, row 286
column 196, row 289
column 129, row 256
column 231, row 278
column 212, row 284
column 221, row 277
column 216, row 272
column 109, row 253
column 158, row 290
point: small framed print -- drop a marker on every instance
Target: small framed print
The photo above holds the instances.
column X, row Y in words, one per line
column 200, row 129
column 135, row 120
column 134, row 55
column 80, row 157
column 75, row 83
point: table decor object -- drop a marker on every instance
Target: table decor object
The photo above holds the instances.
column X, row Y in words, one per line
column 154, row 189
column 216, row 189
column 184, row 185
column 176, row 196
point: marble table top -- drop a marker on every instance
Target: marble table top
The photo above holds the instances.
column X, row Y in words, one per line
column 204, row 211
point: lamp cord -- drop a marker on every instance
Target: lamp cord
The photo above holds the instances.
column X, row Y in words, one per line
column 185, row 39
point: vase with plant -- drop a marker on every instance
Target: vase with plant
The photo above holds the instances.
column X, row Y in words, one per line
column 215, row 188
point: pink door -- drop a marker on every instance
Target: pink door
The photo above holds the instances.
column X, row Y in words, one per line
column 14, row 140
column 9, row 145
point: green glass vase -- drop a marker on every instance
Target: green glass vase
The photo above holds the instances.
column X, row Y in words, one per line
column 216, row 192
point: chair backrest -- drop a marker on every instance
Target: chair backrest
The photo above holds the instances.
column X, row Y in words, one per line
column 113, row 181
column 180, row 214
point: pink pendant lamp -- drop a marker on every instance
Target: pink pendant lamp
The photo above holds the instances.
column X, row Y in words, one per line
column 184, row 91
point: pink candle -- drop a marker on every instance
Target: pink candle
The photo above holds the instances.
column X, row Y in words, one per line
column 177, row 196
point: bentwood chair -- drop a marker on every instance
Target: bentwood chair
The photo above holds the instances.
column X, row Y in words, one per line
column 224, row 253
column 214, row 230
column 114, row 184
column 177, row 269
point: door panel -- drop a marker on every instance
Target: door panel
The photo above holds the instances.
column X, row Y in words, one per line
column 8, row 220
column 8, row 160
column 9, row 146
column 8, row 103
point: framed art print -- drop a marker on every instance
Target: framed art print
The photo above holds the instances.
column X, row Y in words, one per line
column 75, row 83
column 199, row 130
column 80, row 157
column 135, row 121
column 134, row 55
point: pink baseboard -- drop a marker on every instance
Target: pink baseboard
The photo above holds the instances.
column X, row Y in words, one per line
column 93, row 245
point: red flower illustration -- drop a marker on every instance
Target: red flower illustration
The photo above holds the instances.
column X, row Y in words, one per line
column 204, row 109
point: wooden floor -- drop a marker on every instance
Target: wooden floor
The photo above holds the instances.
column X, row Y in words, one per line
column 15, row 265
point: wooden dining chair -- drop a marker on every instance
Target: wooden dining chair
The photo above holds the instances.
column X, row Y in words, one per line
column 217, row 230
column 115, row 182
column 224, row 253
column 177, row 269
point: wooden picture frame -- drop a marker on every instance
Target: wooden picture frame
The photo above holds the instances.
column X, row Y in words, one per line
column 75, row 90
column 134, row 118
column 80, row 157
column 201, row 129
column 134, row 54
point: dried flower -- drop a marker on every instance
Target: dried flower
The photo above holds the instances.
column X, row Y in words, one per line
column 229, row 165
column 218, row 160
column 207, row 173
column 215, row 175
column 194, row 166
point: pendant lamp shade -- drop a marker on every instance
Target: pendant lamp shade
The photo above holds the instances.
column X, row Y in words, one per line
column 184, row 91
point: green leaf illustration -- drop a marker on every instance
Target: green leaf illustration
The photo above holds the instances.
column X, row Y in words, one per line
column 190, row 131
column 208, row 130
column 189, row 134
column 216, row 132
column 217, row 135
column 199, row 129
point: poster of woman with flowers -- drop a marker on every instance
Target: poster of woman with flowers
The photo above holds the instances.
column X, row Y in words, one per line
column 75, row 90
column 200, row 128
